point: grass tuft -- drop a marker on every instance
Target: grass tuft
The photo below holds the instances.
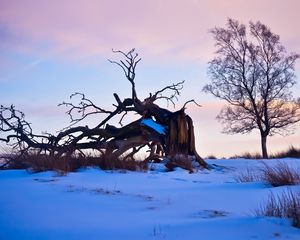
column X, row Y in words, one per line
column 180, row 160
column 248, row 175
column 281, row 174
column 292, row 152
column 286, row 205
column 211, row 156
column 37, row 162
column 247, row 155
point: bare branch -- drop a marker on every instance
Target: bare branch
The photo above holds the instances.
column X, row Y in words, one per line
column 175, row 92
column 105, row 138
column 253, row 73
column 84, row 108
column 190, row 101
column 128, row 66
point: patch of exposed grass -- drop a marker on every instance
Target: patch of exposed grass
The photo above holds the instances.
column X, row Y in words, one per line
column 180, row 160
column 37, row 162
column 292, row 152
column 279, row 174
column 211, row 156
column 247, row 155
column 286, row 205
column 248, row 175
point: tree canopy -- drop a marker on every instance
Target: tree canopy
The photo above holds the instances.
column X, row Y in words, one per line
column 254, row 74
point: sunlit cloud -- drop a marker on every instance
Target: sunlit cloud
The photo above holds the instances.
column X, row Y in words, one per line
column 170, row 29
column 36, row 62
column 13, row 72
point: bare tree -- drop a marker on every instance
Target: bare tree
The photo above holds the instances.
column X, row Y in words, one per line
column 164, row 133
column 253, row 73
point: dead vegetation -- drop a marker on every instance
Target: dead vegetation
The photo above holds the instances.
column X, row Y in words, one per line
column 38, row 162
column 291, row 152
column 180, row 160
column 247, row 155
column 248, row 175
column 279, row 174
column 163, row 132
column 286, row 205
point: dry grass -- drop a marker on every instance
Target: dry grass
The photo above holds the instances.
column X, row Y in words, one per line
column 211, row 156
column 248, row 175
column 37, row 162
column 11, row 161
column 286, row 205
column 109, row 163
column 279, row 174
column 247, row 155
column 292, row 152
column 180, row 160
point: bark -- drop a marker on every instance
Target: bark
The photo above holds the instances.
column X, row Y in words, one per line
column 254, row 74
column 178, row 139
column 264, row 146
column 181, row 139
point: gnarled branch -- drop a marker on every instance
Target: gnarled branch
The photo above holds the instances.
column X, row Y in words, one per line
column 164, row 133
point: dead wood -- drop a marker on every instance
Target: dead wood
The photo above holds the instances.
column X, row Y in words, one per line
column 164, row 133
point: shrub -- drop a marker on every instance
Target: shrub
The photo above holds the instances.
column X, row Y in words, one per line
column 286, row 205
column 247, row 155
column 211, row 156
column 280, row 174
column 37, row 162
column 111, row 163
column 11, row 161
column 180, row 160
column 248, row 175
column 292, row 152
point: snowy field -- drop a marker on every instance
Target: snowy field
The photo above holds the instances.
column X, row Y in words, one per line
column 96, row 204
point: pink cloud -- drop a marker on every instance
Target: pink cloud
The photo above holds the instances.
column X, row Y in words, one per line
column 166, row 28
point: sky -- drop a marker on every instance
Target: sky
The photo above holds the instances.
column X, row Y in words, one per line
column 50, row 49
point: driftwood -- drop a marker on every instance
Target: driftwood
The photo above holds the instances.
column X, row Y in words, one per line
column 164, row 133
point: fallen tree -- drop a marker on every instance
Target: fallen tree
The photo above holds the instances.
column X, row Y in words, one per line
column 165, row 134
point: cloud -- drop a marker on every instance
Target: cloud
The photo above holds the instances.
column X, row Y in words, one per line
column 36, row 62
column 12, row 70
column 169, row 29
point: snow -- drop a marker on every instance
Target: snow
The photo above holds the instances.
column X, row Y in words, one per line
column 97, row 204
column 154, row 125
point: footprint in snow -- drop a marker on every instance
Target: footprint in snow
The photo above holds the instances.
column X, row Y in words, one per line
column 44, row 180
column 180, row 179
column 211, row 214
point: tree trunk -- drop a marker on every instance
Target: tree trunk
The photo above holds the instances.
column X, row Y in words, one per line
column 264, row 146
column 181, row 141
column 166, row 133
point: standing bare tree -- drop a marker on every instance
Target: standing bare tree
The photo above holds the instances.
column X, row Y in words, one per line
column 253, row 73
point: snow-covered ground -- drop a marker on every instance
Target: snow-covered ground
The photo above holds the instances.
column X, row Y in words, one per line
column 96, row 204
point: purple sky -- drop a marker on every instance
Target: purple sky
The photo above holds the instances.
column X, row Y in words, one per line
column 50, row 49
